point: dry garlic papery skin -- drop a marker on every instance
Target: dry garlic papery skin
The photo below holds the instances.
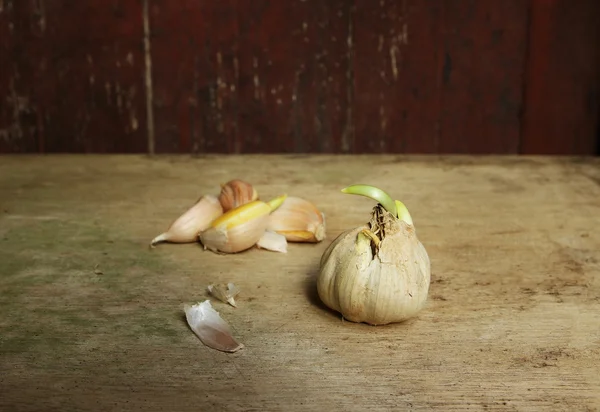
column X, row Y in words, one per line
column 197, row 218
column 272, row 241
column 298, row 220
column 239, row 229
column 236, row 193
column 210, row 328
column 378, row 273
column 225, row 293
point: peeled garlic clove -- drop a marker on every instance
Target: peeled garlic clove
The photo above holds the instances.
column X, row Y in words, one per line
column 197, row 218
column 272, row 241
column 298, row 220
column 236, row 193
column 212, row 330
column 239, row 229
column 225, row 293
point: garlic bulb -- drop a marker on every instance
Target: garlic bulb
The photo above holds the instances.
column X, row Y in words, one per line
column 197, row 218
column 377, row 273
column 236, row 193
column 240, row 228
column 298, row 220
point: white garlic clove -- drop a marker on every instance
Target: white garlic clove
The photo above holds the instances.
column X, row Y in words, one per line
column 272, row 241
column 298, row 220
column 236, row 193
column 197, row 218
column 210, row 328
column 225, row 293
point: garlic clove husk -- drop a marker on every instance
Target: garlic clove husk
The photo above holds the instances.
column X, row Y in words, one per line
column 239, row 229
column 197, row 218
column 225, row 293
column 298, row 220
column 236, row 193
column 378, row 273
column 210, row 328
column 272, row 241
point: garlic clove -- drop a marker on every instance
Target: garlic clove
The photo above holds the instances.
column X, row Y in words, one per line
column 197, row 218
column 298, row 220
column 210, row 328
column 239, row 229
column 236, row 193
column 225, row 293
column 272, row 241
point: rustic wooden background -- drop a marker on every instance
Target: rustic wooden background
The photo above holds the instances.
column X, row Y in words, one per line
column 337, row 76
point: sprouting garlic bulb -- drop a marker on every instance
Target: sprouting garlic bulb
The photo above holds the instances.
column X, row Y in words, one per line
column 197, row 218
column 236, row 193
column 378, row 273
column 298, row 220
column 241, row 228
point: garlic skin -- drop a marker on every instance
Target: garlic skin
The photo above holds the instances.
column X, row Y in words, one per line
column 210, row 328
column 236, row 193
column 377, row 273
column 241, row 228
column 298, row 220
column 197, row 218
column 225, row 293
column 272, row 241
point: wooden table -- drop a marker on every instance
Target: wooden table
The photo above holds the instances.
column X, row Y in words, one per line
column 92, row 318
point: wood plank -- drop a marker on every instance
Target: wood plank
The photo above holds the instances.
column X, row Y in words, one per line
column 482, row 58
column 74, row 77
column 563, row 79
column 92, row 318
column 295, row 85
column 397, row 92
column 195, row 71
column 20, row 118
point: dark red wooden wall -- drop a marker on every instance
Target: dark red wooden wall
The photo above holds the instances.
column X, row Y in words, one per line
column 344, row 76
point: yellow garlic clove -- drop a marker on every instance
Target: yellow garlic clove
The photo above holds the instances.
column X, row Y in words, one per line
column 236, row 193
column 240, row 228
column 298, row 220
column 197, row 218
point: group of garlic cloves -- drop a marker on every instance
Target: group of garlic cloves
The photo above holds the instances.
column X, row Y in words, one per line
column 237, row 220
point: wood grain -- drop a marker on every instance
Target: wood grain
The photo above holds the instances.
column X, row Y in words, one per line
column 396, row 76
column 562, row 79
column 299, row 76
column 295, row 87
column 194, row 56
column 71, row 77
column 482, row 58
column 93, row 318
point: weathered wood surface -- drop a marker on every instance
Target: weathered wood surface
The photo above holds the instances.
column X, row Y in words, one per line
column 302, row 76
column 511, row 324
